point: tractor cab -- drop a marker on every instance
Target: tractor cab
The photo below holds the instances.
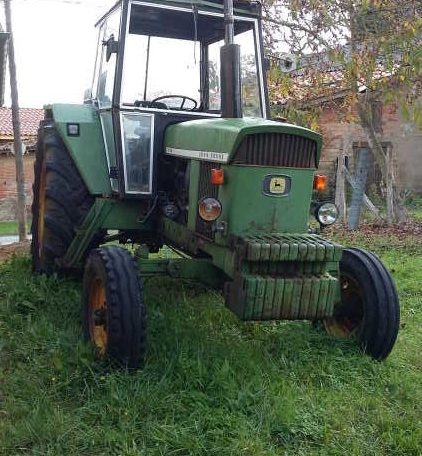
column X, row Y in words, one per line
column 159, row 64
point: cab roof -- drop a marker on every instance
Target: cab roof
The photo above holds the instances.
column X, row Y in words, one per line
column 244, row 8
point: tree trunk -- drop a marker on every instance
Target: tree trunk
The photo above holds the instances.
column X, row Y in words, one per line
column 389, row 188
column 395, row 202
column 395, row 207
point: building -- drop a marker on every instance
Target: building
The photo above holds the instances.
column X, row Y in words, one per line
column 340, row 127
column 395, row 132
column 30, row 119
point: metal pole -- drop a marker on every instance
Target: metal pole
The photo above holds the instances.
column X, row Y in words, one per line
column 147, row 68
column 18, row 147
column 229, row 22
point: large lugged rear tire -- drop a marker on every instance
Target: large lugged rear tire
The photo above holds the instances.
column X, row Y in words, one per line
column 369, row 308
column 61, row 200
column 113, row 306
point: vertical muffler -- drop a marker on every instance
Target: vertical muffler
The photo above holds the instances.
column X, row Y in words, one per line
column 231, row 86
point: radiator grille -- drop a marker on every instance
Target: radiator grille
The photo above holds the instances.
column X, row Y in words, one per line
column 277, row 149
column 209, row 190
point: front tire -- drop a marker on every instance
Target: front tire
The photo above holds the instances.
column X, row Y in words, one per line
column 369, row 309
column 113, row 306
column 61, row 201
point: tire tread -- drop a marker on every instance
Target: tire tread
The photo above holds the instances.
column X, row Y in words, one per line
column 381, row 305
column 125, row 304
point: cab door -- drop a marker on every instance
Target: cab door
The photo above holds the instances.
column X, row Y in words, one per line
column 104, row 82
column 128, row 135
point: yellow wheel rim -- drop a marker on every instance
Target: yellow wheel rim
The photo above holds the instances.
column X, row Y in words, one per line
column 97, row 315
column 349, row 314
column 41, row 208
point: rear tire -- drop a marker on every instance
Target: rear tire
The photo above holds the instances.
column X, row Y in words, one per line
column 61, row 200
column 113, row 306
column 369, row 310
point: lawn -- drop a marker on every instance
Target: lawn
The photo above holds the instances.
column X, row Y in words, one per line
column 8, row 228
column 211, row 385
column 11, row 228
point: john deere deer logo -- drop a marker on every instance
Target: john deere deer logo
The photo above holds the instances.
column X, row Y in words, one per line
column 278, row 185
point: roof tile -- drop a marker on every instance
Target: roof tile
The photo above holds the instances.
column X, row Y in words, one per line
column 30, row 120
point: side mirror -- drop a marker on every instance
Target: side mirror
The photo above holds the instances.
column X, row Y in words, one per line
column 87, row 95
column 112, row 47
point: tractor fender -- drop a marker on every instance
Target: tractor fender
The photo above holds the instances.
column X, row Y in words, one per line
column 86, row 147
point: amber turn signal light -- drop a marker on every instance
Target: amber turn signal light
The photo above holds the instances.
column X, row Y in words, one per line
column 320, row 182
column 217, row 176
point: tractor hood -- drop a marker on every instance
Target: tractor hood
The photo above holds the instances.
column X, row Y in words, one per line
column 217, row 140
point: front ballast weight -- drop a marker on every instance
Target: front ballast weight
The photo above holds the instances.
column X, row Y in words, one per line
column 285, row 277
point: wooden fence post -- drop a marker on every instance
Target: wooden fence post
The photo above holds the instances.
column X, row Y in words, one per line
column 340, row 197
column 361, row 174
column 18, row 148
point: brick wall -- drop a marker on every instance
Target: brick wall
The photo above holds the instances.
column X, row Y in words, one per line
column 404, row 137
column 8, row 193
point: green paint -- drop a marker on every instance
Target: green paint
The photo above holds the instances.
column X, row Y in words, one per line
column 184, row 268
column 225, row 135
column 105, row 214
column 126, row 215
column 85, row 234
column 248, row 210
column 181, row 236
column 302, row 248
column 279, row 298
column 193, row 193
column 87, row 150
column 107, row 122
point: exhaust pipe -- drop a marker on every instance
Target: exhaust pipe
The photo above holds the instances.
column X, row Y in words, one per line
column 231, row 88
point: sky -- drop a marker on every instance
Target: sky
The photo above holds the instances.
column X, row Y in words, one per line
column 55, row 45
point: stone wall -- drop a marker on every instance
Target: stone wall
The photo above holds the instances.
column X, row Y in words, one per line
column 8, row 193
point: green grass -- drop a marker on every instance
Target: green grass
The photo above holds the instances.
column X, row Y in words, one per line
column 212, row 385
column 416, row 214
column 8, row 228
column 11, row 228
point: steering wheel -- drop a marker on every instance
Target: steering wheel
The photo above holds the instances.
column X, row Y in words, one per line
column 183, row 99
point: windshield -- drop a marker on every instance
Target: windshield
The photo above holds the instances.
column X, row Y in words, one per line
column 172, row 61
column 157, row 66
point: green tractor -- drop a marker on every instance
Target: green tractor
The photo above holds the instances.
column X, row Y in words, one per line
column 174, row 147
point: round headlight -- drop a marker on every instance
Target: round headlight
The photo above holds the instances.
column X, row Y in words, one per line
column 327, row 213
column 209, row 209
